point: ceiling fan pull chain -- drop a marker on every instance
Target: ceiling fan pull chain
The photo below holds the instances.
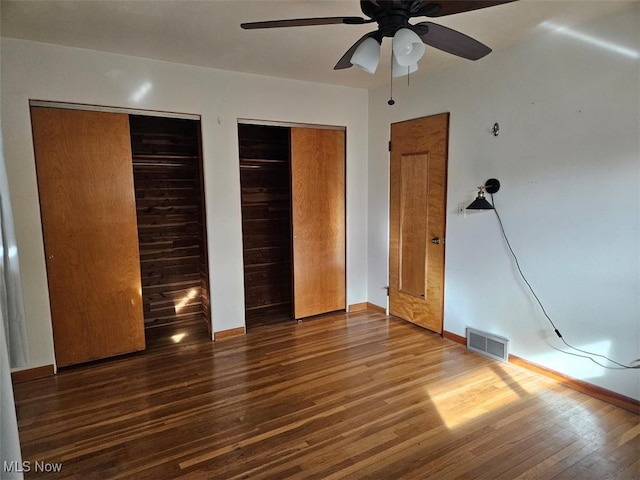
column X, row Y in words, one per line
column 391, row 100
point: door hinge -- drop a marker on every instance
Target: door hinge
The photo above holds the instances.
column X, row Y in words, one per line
column 387, row 289
column 389, row 145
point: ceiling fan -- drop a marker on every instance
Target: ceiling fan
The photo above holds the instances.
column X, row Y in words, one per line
column 392, row 17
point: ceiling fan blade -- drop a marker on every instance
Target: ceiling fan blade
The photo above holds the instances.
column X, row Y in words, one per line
column 304, row 22
column 345, row 61
column 450, row 41
column 440, row 8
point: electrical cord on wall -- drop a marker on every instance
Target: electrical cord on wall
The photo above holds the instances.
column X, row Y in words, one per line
column 588, row 355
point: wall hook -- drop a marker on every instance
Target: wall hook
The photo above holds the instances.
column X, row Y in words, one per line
column 495, row 129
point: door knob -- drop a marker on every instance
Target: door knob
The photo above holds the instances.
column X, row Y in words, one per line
column 437, row 240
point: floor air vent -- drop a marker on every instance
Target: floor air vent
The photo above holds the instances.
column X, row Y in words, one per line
column 488, row 345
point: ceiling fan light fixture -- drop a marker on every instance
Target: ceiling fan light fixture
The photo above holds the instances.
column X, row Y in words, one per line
column 398, row 70
column 393, row 19
column 408, row 47
column 367, row 55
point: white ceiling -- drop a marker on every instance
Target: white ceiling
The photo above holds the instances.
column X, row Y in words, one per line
column 208, row 33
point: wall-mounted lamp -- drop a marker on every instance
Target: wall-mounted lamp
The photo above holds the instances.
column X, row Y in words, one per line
column 481, row 203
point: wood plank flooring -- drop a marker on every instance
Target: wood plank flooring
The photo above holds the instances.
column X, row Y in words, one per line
column 180, row 331
column 357, row 396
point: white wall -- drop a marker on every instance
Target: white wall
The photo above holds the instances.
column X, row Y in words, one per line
column 568, row 157
column 47, row 72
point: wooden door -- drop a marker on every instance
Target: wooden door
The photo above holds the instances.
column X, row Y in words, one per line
column 87, row 204
column 417, row 220
column 318, row 217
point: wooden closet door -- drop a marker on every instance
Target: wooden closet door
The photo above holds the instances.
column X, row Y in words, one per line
column 318, row 213
column 87, row 204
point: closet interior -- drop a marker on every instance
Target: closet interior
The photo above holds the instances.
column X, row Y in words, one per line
column 167, row 173
column 123, row 221
column 265, row 182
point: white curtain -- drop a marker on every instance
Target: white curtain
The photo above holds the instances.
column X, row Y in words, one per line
column 11, row 299
column 10, row 455
column 13, row 338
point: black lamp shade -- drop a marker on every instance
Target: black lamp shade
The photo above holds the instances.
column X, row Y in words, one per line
column 480, row 203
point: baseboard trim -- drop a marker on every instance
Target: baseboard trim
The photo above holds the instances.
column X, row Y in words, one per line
column 603, row 394
column 234, row 332
column 608, row 396
column 375, row 308
column 21, row 376
column 360, row 307
column 455, row 337
column 357, row 307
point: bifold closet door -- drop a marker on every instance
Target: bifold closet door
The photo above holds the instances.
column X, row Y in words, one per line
column 85, row 182
column 318, row 218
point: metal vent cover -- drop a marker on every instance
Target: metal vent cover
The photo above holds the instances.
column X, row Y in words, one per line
column 488, row 344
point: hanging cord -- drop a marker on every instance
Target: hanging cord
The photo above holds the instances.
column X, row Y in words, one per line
column 588, row 355
column 391, row 100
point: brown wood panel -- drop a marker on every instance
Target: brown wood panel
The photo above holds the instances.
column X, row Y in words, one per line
column 264, row 142
column 266, row 212
column 269, row 315
column 266, row 274
column 167, row 169
column 85, row 183
column 318, row 213
column 350, row 396
column 267, row 295
column 376, row 308
column 414, row 181
column 170, row 278
column 32, row 374
column 357, row 307
column 234, row 332
column 455, row 337
column 266, row 220
column 418, row 146
column 260, row 256
column 185, row 332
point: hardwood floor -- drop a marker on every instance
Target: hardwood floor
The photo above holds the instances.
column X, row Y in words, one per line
column 183, row 332
column 351, row 396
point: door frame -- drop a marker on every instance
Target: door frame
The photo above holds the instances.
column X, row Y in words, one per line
column 275, row 123
column 103, row 108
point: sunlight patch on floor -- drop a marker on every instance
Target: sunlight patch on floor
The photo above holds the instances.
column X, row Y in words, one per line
column 177, row 338
column 462, row 398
